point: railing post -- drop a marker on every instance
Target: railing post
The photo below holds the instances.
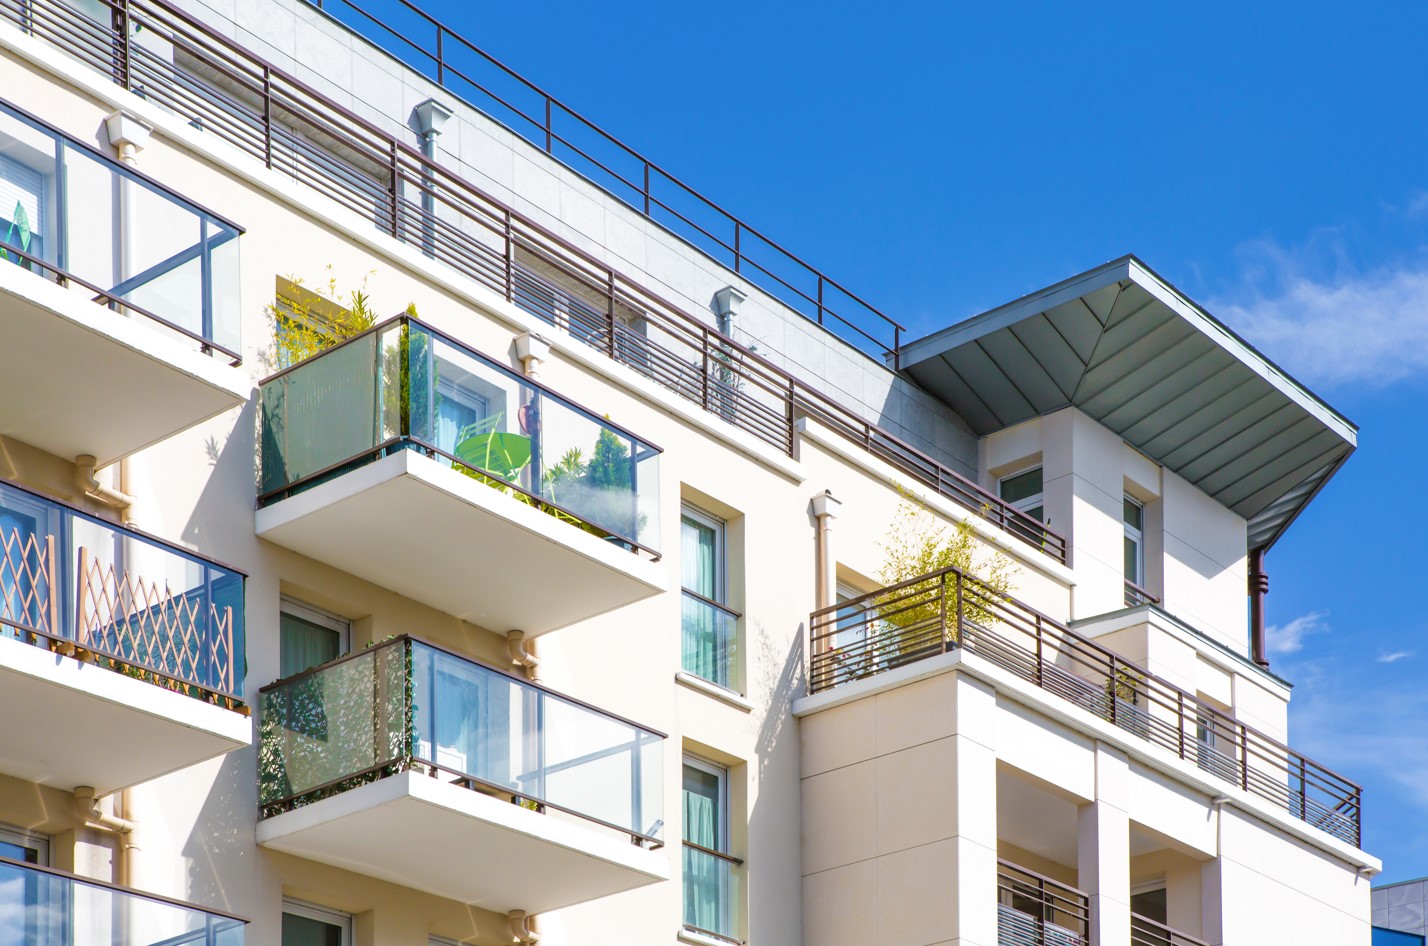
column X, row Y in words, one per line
column 704, row 370
column 610, row 287
column 947, row 636
column 52, row 580
column 738, row 253
column 961, row 614
column 1040, row 650
column 1303, row 792
column 125, row 47
column 790, row 411
column 394, row 187
column 267, row 116
column 511, row 261
column 647, row 188
column 1180, row 719
column 548, row 149
column 440, row 57
column 820, row 298
column 1113, row 688
column 1244, row 757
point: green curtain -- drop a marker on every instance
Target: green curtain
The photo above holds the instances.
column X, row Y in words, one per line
column 303, row 644
column 699, row 567
column 701, row 871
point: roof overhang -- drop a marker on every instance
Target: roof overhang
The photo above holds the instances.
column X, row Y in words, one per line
column 1125, row 347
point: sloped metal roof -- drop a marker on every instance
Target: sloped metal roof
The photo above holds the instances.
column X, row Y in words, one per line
column 1125, row 347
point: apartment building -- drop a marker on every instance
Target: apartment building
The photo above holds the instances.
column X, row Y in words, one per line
column 557, row 603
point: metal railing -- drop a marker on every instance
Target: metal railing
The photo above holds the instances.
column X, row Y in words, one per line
column 406, row 704
column 709, row 639
column 42, row 905
column 549, row 125
column 944, row 610
column 179, row 64
column 1147, row 932
column 1033, row 910
column 77, row 585
column 712, row 883
column 402, row 385
column 83, row 220
column 1137, row 596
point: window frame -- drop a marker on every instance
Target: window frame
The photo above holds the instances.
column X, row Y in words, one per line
column 721, row 551
column 1026, row 504
column 721, row 802
column 312, row 614
column 30, row 840
column 1136, row 536
column 316, row 911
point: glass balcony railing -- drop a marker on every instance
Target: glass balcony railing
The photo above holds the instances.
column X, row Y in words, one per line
column 85, row 587
column 710, row 640
column 73, row 215
column 403, row 385
column 711, row 892
column 40, row 907
column 404, row 704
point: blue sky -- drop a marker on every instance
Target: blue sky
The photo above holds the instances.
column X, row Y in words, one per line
column 940, row 159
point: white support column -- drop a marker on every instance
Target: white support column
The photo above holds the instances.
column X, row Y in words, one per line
column 1103, row 846
column 974, row 840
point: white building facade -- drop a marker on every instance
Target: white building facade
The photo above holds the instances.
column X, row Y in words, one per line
column 553, row 603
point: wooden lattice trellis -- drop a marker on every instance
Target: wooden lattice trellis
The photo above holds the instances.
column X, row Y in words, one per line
column 29, row 595
column 147, row 627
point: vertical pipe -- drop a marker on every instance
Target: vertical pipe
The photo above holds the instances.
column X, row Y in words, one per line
column 1258, row 588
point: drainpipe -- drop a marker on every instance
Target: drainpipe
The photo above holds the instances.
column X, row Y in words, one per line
column 87, row 807
column 533, row 351
column 84, row 478
column 1258, row 588
column 523, row 654
column 524, row 927
column 825, row 510
column 430, row 118
column 726, row 308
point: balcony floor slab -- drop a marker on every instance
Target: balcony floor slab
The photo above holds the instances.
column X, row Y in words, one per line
column 123, row 383
column 71, row 723
column 432, row 835
column 410, row 524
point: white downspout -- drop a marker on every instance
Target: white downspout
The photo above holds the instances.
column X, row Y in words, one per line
column 533, row 351
column 92, row 815
column 825, row 510
column 523, row 654
column 524, row 927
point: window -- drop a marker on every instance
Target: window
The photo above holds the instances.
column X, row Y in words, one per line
column 710, row 878
column 1134, row 518
column 306, row 924
column 308, row 637
column 1149, row 902
column 19, row 844
column 1022, row 491
column 709, row 627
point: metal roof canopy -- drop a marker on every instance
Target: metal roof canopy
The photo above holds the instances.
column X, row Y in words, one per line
column 1124, row 346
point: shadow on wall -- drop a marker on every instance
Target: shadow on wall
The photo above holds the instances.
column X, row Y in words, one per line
column 226, row 505
column 219, row 849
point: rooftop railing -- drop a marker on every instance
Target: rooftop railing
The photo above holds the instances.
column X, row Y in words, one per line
column 546, row 123
column 1033, row 910
column 405, row 704
column 945, row 610
column 41, row 906
column 215, row 84
column 76, row 217
column 1147, row 932
column 80, row 586
column 405, row 386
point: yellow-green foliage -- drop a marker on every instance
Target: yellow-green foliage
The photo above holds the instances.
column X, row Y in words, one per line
column 303, row 322
column 917, row 544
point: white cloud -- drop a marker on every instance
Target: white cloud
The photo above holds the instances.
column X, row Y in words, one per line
column 1354, row 328
column 1289, row 638
column 1395, row 656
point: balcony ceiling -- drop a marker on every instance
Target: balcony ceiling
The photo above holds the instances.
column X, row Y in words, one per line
column 76, row 377
column 1126, row 348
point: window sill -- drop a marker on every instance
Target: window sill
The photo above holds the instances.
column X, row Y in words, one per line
column 686, row 935
column 699, row 684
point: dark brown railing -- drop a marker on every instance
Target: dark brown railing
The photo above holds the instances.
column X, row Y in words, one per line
column 1033, row 910
column 939, row 612
column 180, row 64
column 550, row 126
column 1137, row 596
column 1147, row 932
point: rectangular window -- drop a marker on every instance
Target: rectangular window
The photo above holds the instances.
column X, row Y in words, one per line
column 308, row 637
column 19, row 844
column 1022, row 491
column 709, row 627
column 711, row 879
column 1133, row 516
column 306, row 924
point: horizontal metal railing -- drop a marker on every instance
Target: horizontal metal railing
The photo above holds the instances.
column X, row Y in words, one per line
column 217, row 85
column 713, row 882
column 1033, row 910
column 546, row 123
column 80, row 586
column 938, row 612
column 1147, row 932
column 1137, row 596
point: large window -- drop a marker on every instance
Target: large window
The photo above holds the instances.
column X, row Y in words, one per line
column 1023, row 492
column 709, row 627
column 710, row 872
column 308, row 637
column 1134, row 518
column 306, row 924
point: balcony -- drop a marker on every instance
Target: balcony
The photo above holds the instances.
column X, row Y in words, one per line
column 42, row 906
column 946, row 610
column 1137, row 596
column 125, row 654
column 133, row 289
column 711, row 893
column 1033, row 910
column 1147, row 932
column 411, row 764
column 409, row 460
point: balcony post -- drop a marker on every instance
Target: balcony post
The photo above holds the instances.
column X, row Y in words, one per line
column 1103, row 850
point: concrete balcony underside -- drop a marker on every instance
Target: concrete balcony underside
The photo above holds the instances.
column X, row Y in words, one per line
column 441, row 838
column 72, row 723
column 121, row 385
column 410, row 524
